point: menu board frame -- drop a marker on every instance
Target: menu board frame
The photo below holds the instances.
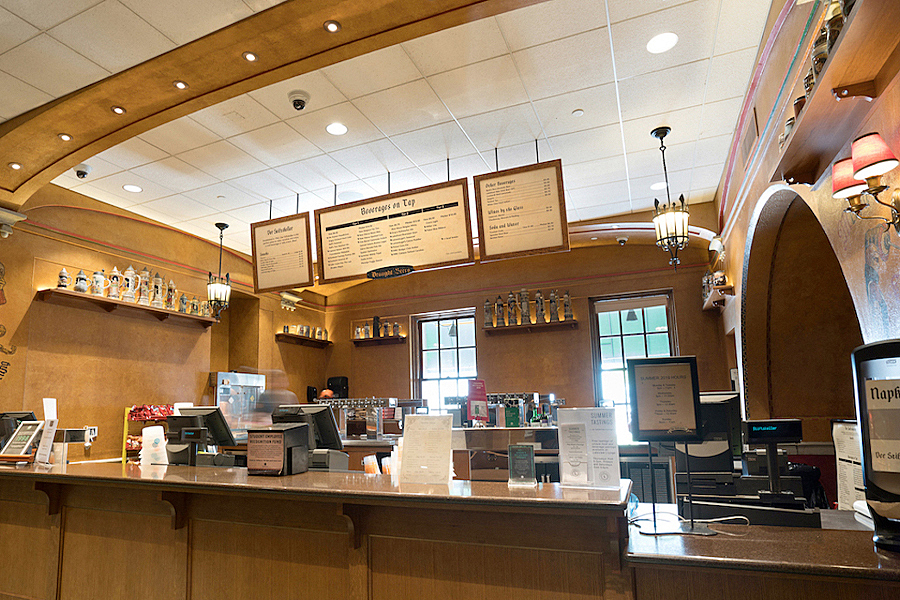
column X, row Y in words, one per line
column 287, row 285
column 355, row 206
column 562, row 221
column 638, row 400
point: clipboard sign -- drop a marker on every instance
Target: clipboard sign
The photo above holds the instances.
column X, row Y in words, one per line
column 282, row 254
column 664, row 398
column 521, row 211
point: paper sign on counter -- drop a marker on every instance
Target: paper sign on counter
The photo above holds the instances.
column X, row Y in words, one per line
column 427, row 451
column 588, row 447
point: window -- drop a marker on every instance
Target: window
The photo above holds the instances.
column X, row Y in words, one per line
column 446, row 357
column 624, row 328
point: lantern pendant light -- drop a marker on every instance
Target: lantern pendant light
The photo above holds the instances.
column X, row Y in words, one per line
column 670, row 219
column 219, row 289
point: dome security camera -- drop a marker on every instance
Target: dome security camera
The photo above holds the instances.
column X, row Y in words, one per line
column 82, row 170
column 299, row 99
column 622, row 239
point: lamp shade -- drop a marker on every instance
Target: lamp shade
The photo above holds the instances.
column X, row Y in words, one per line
column 671, row 225
column 871, row 156
column 843, row 184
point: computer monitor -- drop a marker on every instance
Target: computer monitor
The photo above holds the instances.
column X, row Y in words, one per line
column 219, row 432
column 323, row 427
column 9, row 421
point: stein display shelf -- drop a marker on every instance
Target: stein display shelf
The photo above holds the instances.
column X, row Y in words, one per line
column 380, row 341
column 65, row 297
column 531, row 327
column 301, row 340
column 717, row 296
column 865, row 58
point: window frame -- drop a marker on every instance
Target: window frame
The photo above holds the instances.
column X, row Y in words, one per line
column 417, row 349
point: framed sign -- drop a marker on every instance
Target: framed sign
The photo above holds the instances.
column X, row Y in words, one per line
column 282, row 254
column 521, row 211
column 422, row 228
column 664, row 396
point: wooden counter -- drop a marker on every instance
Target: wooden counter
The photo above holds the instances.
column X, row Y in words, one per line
column 108, row 530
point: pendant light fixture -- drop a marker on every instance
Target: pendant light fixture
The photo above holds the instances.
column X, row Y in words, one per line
column 671, row 219
column 218, row 289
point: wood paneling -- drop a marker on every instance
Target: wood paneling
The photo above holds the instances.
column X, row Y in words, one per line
column 28, row 550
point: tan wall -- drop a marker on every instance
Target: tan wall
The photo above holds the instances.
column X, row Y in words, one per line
column 97, row 363
column 546, row 361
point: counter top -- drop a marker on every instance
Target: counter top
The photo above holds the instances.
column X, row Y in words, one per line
column 826, row 552
column 348, row 487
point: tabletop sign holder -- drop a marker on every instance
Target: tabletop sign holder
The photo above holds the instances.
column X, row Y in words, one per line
column 664, row 398
column 521, row 466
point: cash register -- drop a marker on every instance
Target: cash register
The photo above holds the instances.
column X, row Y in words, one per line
column 324, row 438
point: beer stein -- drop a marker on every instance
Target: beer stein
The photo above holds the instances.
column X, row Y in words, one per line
column 143, row 288
column 129, row 284
column 98, row 283
column 171, row 296
column 115, row 280
column 195, row 306
column 183, row 303
column 157, row 296
column 81, row 282
column 64, row 279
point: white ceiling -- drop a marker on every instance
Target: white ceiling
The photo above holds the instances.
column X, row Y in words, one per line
column 499, row 83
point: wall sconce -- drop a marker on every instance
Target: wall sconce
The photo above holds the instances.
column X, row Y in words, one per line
column 219, row 288
column 870, row 159
column 670, row 220
column 289, row 301
column 8, row 218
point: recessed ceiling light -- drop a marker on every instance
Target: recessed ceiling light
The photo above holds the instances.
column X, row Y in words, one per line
column 64, row 137
column 15, row 166
column 662, row 43
column 659, row 185
column 593, row 238
column 336, row 129
column 577, row 112
column 332, row 26
column 249, row 56
column 134, row 189
column 118, row 110
column 181, row 85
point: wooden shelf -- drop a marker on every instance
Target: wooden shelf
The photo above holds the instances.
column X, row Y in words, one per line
column 863, row 61
column 380, row 341
column 301, row 340
column 65, row 297
column 529, row 328
column 717, row 295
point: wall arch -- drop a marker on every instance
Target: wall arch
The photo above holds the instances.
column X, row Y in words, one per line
column 798, row 320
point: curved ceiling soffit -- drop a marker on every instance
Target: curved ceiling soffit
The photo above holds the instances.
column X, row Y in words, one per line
column 289, row 40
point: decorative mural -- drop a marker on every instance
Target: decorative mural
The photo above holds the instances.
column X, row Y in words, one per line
column 9, row 350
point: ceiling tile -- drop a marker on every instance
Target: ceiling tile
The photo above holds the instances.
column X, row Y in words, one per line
column 17, row 97
column 548, row 21
column 223, row 196
column 574, row 63
column 500, row 128
column 112, row 36
column 596, row 143
column 144, row 211
column 322, row 94
column 14, row 30
column 372, row 72
column 679, row 183
column 179, row 207
column 359, row 129
column 113, row 185
column 649, row 162
column 594, row 172
column 268, row 184
column 256, row 213
column 604, row 210
column 222, row 160
column 307, row 201
column 179, row 136
column 751, row 15
column 685, row 125
column 694, row 23
column 44, row 14
column 403, row 108
column 183, row 21
column 177, row 174
column 712, row 150
column 260, row 5
column 276, row 144
column 432, row 144
column 112, row 198
column 479, row 88
column 599, row 104
column 132, row 153
column 619, row 10
column 462, row 167
column 455, row 47
column 701, row 196
column 595, row 195
column 720, row 118
column 672, row 89
column 729, row 74
column 50, row 66
column 235, row 116
column 524, row 154
column 406, row 179
column 316, row 173
column 706, row 177
column 372, row 159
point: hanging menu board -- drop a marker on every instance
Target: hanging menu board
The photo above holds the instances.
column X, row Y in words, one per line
column 282, row 254
column 521, row 211
column 422, row 228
